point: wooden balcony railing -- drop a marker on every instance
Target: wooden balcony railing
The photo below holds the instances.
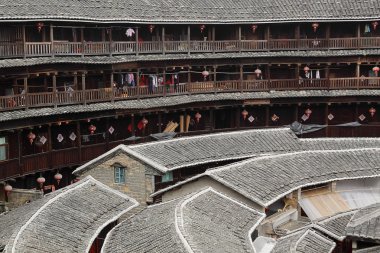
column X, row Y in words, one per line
column 46, row 99
column 33, row 49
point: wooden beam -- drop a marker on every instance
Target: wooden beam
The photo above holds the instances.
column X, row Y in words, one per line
column 188, row 40
column 163, row 39
column 137, row 41
column 52, row 40
column 24, row 40
column 55, row 90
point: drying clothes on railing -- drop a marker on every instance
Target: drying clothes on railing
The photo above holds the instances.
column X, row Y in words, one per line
column 367, row 28
column 130, row 78
column 130, row 32
column 153, row 82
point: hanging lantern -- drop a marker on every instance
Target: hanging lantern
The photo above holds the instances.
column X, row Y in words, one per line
column 315, row 26
column 145, row 122
column 258, row 72
column 92, row 129
column 202, row 27
column 308, row 112
column 8, row 188
column 306, row 69
column 374, row 25
column 254, row 28
column 205, row 74
column 151, row 28
column 40, row 25
column 198, row 116
column 41, row 180
column 31, row 136
column 376, row 70
column 372, row 111
column 244, row 113
column 58, row 177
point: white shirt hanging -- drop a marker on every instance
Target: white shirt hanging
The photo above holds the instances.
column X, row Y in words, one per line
column 130, row 32
column 317, row 75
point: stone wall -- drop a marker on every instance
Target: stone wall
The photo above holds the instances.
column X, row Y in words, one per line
column 139, row 177
column 18, row 197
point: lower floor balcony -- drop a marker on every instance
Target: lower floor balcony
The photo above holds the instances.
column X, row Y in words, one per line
column 72, row 97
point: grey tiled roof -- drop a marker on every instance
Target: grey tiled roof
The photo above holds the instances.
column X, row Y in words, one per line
column 266, row 179
column 100, row 60
column 190, row 11
column 65, row 221
column 161, row 102
column 335, row 226
column 375, row 249
column 184, row 152
column 365, row 223
column 339, row 143
column 205, row 221
column 304, row 241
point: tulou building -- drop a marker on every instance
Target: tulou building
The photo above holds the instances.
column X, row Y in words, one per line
column 254, row 89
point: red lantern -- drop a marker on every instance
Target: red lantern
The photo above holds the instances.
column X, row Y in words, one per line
column 315, row 26
column 40, row 25
column 41, row 180
column 151, row 28
column 244, row 113
column 308, row 112
column 374, row 25
column 31, row 136
column 202, row 27
column 372, row 111
column 254, row 28
column 8, row 188
column 258, row 72
column 92, row 129
column 58, row 177
column 376, row 70
column 306, row 69
column 198, row 116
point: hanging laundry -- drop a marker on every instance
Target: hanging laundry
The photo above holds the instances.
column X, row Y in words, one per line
column 367, row 28
column 176, row 81
column 317, row 75
column 129, row 32
column 130, row 79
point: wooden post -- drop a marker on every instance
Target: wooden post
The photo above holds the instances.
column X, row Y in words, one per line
column 112, row 87
column 241, row 78
column 189, row 80
column 267, row 116
column 75, row 81
column 214, row 77
column 358, row 35
column 212, row 119
column 357, row 75
column 327, row 69
column 267, row 36
column 52, row 40
column 19, row 140
column 79, row 138
column 328, row 28
column 133, row 124
column 164, row 82
column 54, row 77
column 24, row 40
column 26, row 92
column 137, row 41
column 163, row 39
column 297, row 36
column 159, row 122
column 213, row 39
column 110, row 40
column 326, row 120
column 50, row 144
column 237, row 117
column 268, row 75
column 82, row 40
column 84, row 87
column 239, row 39
column 188, row 40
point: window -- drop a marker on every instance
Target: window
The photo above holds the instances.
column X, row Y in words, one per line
column 3, row 149
column 119, row 175
column 167, row 177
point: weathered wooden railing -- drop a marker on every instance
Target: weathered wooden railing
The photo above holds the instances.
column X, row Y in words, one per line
column 33, row 49
column 32, row 100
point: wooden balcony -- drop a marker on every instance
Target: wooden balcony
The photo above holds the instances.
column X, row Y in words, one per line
column 59, row 48
column 46, row 99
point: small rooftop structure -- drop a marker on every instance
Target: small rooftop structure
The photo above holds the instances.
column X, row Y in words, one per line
column 205, row 221
column 67, row 220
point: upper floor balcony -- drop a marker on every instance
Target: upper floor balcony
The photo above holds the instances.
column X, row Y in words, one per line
column 31, row 40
